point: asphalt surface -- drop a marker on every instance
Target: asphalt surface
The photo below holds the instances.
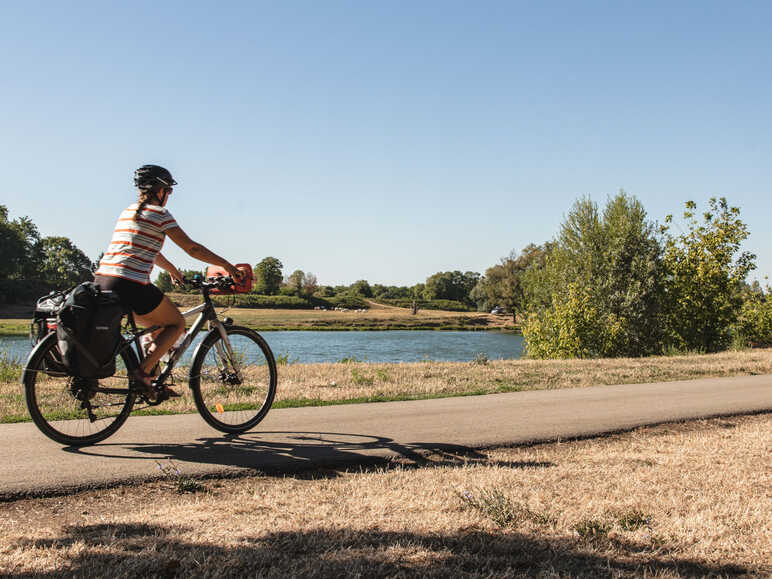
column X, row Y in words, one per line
column 291, row 440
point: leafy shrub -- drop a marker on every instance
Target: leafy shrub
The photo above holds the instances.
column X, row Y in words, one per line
column 259, row 301
column 754, row 323
column 633, row 520
column 273, row 302
column 599, row 293
column 481, row 359
column 184, row 484
column 592, row 528
column 502, row 510
column 10, row 368
column 361, row 379
column 283, row 359
column 348, row 301
column 574, row 328
column 705, row 270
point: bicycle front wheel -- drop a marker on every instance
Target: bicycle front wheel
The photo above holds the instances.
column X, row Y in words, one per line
column 233, row 382
column 71, row 410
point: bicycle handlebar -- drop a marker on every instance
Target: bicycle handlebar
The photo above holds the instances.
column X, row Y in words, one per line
column 216, row 282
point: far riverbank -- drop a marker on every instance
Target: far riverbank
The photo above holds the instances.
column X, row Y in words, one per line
column 15, row 321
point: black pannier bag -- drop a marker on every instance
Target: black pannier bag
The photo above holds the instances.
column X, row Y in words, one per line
column 88, row 329
column 44, row 317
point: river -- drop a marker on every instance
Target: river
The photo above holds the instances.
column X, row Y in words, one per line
column 390, row 346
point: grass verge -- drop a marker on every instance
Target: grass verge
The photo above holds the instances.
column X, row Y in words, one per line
column 359, row 382
column 668, row 501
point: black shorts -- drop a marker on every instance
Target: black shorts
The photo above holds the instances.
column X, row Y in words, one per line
column 139, row 298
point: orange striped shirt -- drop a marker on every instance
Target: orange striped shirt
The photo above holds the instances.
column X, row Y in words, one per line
column 137, row 240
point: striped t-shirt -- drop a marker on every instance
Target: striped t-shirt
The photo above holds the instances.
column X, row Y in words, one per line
column 137, row 240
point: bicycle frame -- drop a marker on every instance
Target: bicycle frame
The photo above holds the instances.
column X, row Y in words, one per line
column 206, row 314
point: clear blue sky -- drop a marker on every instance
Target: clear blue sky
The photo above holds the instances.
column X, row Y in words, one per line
column 383, row 140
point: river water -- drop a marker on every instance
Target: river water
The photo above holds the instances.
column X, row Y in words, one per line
column 389, row 346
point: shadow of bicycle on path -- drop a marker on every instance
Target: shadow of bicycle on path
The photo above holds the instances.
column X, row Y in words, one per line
column 278, row 453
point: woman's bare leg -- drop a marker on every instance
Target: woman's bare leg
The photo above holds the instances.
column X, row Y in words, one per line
column 172, row 325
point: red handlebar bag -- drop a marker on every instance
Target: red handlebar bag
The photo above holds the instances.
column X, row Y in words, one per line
column 243, row 287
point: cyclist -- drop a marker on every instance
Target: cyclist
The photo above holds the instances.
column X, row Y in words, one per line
column 133, row 251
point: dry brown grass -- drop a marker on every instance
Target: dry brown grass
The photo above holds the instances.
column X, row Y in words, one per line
column 337, row 382
column 674, row 500
column 310, row 384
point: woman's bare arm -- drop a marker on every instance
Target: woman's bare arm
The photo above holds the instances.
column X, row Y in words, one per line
column 167, row 265
column 198, row 251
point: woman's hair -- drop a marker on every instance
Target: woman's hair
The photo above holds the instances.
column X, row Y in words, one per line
column 146, row 196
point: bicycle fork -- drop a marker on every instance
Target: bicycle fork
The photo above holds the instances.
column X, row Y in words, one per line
column 227, row 355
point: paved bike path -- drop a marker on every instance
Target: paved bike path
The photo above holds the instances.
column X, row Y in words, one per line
column 333, row 436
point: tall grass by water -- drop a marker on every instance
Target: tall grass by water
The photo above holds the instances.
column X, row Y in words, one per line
column 10, row 368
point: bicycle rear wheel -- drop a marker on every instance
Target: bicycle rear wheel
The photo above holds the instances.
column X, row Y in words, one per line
column 233, row 388
column 71, row 410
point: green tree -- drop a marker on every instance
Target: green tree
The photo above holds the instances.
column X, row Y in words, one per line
column 451, row 285
column 61, row 262
column 325, row 291
column 310, row 285
column 754, row 321
column 392, row 292
column 361, row 288
column 503, row 284
column 164, row 282
column 705, row 276
column 573, row 327
column 294, row 282
column 268, row 276
column 601, row 287
column 18, row 239
column 479, row 295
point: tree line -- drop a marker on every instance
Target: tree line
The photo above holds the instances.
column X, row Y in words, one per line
column 30, row 262
column 615, row 283
column 270, row 280
column 612, row 282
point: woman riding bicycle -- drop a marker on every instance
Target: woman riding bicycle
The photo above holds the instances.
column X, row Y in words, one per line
column 133, row 251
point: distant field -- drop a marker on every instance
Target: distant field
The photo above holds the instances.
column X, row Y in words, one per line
column 378, row 317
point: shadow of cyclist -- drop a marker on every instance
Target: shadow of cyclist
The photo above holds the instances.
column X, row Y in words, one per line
column 292, row 452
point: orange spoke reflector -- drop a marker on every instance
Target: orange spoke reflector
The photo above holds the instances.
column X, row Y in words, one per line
column 219, row 407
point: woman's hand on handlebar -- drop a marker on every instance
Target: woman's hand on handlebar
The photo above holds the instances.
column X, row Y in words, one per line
column 236, row 274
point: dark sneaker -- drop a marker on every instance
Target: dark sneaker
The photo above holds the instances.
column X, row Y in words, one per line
column 143, row 383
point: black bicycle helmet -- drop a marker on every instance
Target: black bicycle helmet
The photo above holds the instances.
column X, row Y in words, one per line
column 150, row 176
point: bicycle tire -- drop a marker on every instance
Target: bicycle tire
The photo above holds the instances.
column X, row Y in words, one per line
column 223, row 396
column 62, row 419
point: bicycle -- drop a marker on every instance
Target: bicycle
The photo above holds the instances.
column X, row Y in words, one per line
column 232, row 378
